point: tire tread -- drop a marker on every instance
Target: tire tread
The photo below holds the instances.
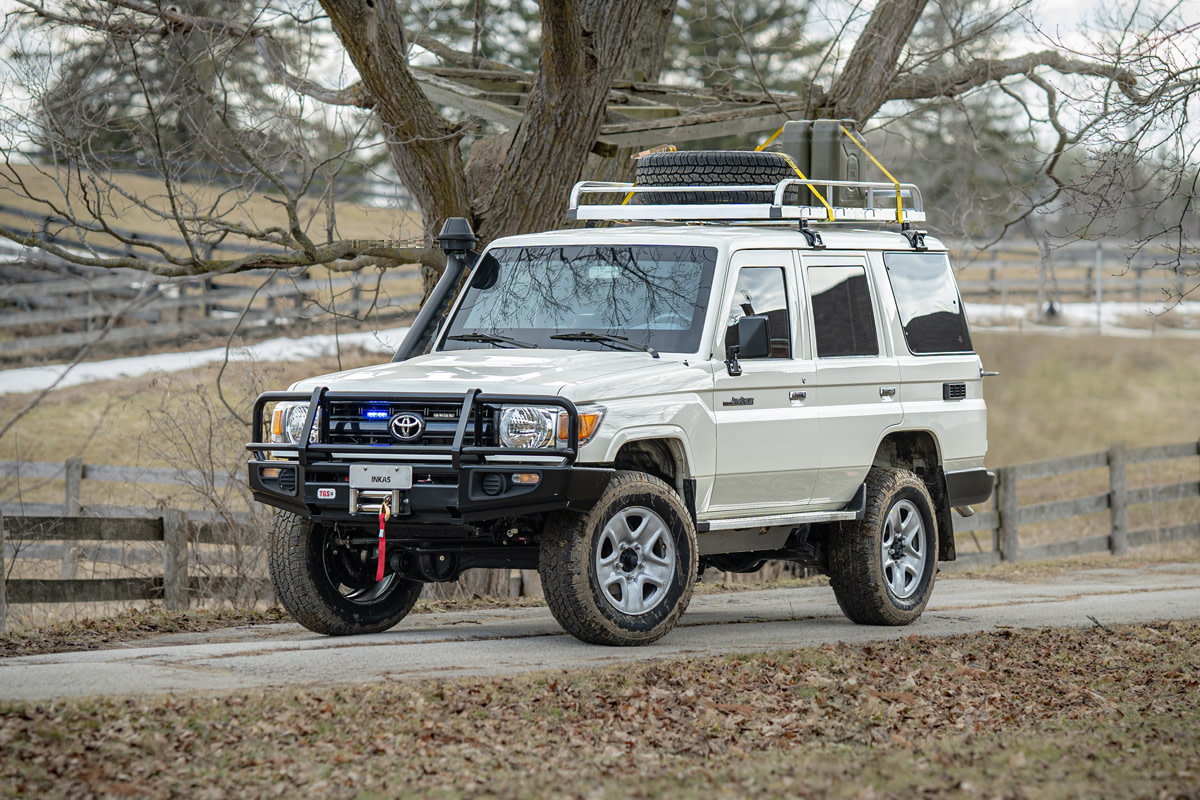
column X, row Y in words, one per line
column 287, row 561
column 564, row 559
column 855, row 568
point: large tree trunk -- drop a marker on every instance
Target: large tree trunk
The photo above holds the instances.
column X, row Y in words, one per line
column 422, row 145
column 644, row 61
column 583, row 49
column 867, row 79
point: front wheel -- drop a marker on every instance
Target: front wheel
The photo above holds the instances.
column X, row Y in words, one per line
column 623, row 573
column 882, row 567
column 330, row 588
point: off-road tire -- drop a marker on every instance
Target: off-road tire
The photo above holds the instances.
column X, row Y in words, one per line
column 298, row 558
column 572, row 544
column 712, row 168
column 856, row 556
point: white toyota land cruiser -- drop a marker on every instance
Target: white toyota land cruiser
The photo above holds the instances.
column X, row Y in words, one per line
column 622, row 407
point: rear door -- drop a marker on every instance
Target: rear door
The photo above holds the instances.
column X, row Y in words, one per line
column 768, row 443
column 857, row 375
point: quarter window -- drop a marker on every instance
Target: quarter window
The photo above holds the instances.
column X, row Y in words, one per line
column 843, row 321
column 761, row 291
column 927, row 298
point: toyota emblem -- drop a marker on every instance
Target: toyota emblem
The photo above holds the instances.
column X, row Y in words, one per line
column 407, row 426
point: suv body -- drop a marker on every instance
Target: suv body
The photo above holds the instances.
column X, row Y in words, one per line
column 770, row 399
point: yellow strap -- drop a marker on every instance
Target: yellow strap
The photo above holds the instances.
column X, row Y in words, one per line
column 767, row 143
column 792, row 164
column 662, row 148
column 896, row 183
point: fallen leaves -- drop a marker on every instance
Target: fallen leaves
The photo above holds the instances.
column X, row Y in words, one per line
column 1118, row 711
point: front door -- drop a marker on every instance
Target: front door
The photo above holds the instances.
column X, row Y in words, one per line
column 768, row 447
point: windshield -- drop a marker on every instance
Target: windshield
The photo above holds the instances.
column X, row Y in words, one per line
column 654, row 295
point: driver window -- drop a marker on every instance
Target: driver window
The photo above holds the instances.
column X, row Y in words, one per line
column 761, row 291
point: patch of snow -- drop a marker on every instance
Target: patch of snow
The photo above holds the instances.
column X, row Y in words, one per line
column 35, row 379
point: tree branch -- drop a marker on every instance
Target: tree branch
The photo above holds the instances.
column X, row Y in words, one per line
column 865, row 83
column 452, row 56
column 347, row 255
column 267, row 46
column 953, row 82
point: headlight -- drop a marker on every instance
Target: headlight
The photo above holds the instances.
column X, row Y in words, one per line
column 528, row 426
column 542, row 426
column 287, row 423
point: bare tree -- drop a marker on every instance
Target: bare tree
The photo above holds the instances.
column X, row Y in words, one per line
column 419, row 92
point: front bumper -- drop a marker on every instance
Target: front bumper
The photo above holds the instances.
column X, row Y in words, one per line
column 462, row 480
column 321, row 491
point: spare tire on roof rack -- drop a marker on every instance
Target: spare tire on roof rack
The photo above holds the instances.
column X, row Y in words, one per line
column 713, row 168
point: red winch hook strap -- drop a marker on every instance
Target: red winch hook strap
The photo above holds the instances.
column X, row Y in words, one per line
column 385, row 511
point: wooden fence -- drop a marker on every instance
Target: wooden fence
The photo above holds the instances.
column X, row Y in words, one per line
column 1082, row 272
column 44, row 312
column 171, row 527
column 73, row 472
column 1002, row 522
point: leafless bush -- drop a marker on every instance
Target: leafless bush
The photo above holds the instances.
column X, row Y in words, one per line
column 203, row 440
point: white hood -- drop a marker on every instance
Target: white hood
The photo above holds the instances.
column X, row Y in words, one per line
column 536, row 372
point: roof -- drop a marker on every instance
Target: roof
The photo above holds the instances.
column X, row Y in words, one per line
column 723, row 237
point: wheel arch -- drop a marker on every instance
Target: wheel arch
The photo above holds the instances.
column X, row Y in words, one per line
column 920, row 452
column 664, row 457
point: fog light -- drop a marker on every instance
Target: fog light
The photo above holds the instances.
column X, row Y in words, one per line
column 526, row 478
column 493, row 484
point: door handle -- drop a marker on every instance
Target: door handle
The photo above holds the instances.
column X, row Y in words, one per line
column 887, row 391
column 797, row 395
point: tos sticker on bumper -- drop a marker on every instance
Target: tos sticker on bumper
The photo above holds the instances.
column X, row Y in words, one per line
column 326, row 494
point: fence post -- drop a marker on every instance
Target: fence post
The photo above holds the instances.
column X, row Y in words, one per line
column 3, row 578
column 175, row 560
column 1118, row 507
column 1010, row 547
column 72, row 551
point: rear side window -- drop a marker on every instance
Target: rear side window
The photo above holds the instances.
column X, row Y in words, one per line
column 843, row 321
column 930, row 309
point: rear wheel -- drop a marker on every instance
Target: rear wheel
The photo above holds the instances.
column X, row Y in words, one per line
column 623, row 573
column 882, row 567
column 330, row 588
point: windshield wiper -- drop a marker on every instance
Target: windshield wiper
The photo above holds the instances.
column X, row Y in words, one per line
column 491, row 338
column 615, row 342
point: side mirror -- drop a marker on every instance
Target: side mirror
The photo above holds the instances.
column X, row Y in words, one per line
column 754, row 338
column 754, row 341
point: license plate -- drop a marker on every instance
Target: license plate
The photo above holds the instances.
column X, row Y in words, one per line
column 384, row 477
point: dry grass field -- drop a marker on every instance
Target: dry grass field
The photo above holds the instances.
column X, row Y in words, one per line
column 1055, row 396
column 351, row 221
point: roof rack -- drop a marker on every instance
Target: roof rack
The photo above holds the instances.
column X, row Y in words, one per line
column 883, row 202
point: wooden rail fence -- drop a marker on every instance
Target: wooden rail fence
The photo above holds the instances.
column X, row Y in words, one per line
column 171, row 527
column 41, row 299
column 1002, row 522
